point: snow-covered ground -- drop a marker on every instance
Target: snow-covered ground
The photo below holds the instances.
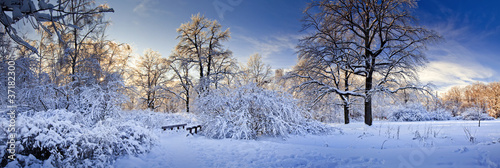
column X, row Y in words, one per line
column 385, row 144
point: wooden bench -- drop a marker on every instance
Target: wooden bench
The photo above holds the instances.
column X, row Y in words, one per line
column 190, row 129
column 173, row 126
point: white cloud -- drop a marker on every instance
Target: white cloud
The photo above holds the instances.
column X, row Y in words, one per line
column 454, row 64
column 271, row 45
column 456, row 61
column 447, row 74
column 146, row 8
column 143, row 7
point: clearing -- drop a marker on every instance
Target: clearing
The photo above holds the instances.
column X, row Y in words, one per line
column 385, row 144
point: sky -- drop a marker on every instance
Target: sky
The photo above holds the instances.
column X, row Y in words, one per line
column 470, row 51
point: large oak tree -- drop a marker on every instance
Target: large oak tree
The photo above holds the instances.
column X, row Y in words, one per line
column 377, row 40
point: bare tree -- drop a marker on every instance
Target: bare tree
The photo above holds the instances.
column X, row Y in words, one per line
column 256, row 71
column 150, row 75
column 182, row 65
column 223, row 68
column 375, row 39
column 322, row 76
column 201, row 40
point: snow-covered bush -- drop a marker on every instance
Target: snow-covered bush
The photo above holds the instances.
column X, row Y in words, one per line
column 95, row 100
column 440, row 114
column 475, row 113
column 416, row 112
column 59, row 138
column 411, row 112
column 98, row 101
column 248, row 111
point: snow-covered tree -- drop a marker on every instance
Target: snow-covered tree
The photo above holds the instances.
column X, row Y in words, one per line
column 321, row 72
column 378, row 41
column 201, row 40
column 181, row 65
column 15, row 10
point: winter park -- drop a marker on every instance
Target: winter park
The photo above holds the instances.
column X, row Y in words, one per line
column 249, row 83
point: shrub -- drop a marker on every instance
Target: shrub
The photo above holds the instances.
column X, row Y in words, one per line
column 248, row 111
column 441, row 114
column 417, row 112
column 59, row 138
column 475, row 113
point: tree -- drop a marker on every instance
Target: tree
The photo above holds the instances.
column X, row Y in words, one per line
column 453, row 100
column 201, row 40
column 256, row 71
column 322, row 76
column 182, row 65
column 151, row 75
column 494, row 99
column 477, row 96
column 377, row 40
column 223, row 68
column 45, row 12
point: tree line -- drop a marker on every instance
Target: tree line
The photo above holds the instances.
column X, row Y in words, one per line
column 483, row 97
column 74, row 66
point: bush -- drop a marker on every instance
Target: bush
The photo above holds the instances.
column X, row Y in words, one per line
column 59, row 138
column 248, row 111
column 417, row 112
column 475, row 114
column 441, row 114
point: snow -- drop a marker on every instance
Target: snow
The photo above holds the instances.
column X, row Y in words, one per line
column 385, row 144
column 248, row 111
column 449, row 143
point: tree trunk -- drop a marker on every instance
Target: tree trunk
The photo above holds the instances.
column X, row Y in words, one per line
column 368, row 101
column 187, row 102
column 346, row 101
column 346, row 113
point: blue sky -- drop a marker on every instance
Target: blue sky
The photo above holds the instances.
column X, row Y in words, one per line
column 471, row 29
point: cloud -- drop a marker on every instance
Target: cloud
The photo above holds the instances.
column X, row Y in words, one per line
column 143, row 7
column 463, row 57
column 452, row 63
column 276, row 50
column 146, row 8
column 268, row 46
column 447, row 74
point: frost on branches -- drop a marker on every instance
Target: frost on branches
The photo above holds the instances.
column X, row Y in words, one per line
column 248, row 111
column 12, row 11
column 59, row 138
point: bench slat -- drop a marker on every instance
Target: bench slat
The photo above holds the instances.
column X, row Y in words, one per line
column 173, row 126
